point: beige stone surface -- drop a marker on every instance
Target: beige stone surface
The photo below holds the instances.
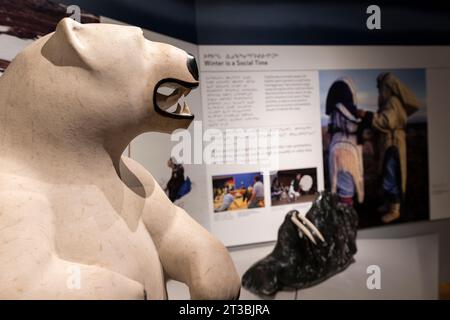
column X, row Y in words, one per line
column 77, row 219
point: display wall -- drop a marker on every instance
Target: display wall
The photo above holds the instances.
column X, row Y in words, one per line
column 422, row 68
column 246, row 87
column 303, row 75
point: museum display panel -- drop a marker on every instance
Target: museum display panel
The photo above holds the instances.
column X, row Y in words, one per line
column 190, row 177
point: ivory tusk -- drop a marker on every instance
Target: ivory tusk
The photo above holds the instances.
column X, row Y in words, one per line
column 166, row 101
column 303, row 228
column 312, row 227
column 319, row 197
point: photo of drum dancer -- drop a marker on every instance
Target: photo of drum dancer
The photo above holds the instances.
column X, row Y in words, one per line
column 293, row 186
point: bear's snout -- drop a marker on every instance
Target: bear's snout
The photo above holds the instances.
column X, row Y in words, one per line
column 192, row 66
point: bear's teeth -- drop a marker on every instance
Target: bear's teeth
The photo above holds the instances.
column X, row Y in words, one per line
column 178, row 110
column 186, row 109
column 166, row 101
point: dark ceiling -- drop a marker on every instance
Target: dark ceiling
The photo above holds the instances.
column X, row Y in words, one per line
column 282, row 21
column 172, row 17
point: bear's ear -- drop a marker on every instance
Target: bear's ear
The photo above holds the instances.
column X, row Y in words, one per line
column 65, row 47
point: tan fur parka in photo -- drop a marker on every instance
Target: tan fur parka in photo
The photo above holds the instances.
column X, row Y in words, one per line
column 391, row 119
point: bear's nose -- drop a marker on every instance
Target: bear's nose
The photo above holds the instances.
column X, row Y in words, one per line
column 192, row 66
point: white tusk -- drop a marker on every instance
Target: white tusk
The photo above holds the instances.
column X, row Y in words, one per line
column 319, row 197
column 186, row 109
column 302, row 228
column 165, row 102
column 312, row 226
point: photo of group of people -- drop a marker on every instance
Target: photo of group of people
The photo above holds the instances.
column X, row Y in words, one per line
column 246, row 190
column 374, row 130
column 293, row 186
column 238, row 191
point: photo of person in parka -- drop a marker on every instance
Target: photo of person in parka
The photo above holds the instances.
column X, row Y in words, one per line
column 345, row 160
column 396, row 103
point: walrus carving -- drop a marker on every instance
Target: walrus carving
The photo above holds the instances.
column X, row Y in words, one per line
column 71, row 206
column 309, row 249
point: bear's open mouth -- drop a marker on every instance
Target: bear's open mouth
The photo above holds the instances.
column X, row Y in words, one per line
column 169, row 98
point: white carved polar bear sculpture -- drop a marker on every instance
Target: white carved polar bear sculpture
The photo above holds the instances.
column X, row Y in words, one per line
column 78, row 220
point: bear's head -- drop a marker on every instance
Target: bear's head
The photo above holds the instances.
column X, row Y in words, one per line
column 100, row 80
